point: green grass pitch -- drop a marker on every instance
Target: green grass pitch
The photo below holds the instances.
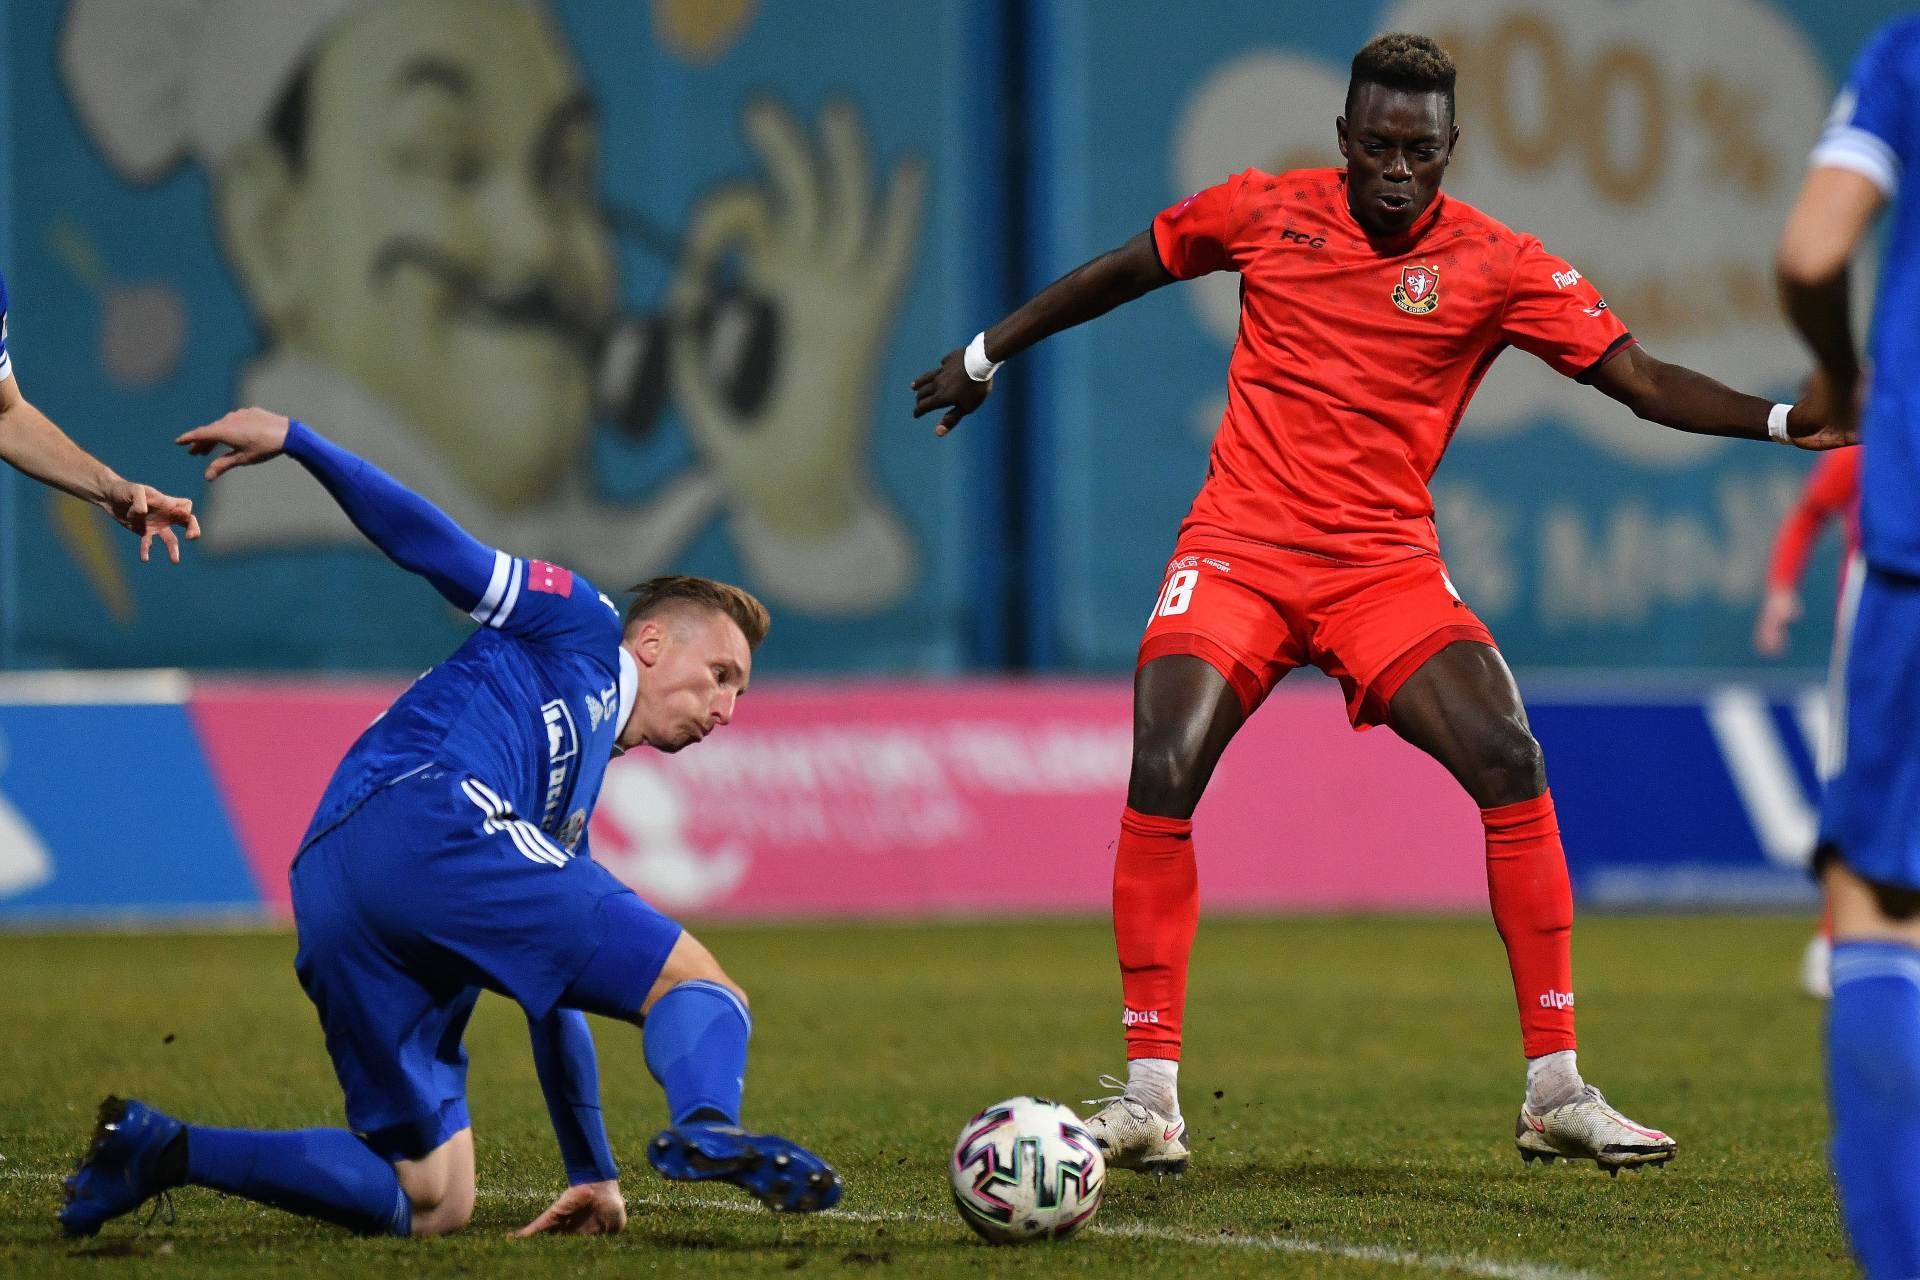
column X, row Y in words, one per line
column 1350, row 1084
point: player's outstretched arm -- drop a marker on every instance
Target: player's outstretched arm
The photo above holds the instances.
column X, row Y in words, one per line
column 1089, row 290
column 563, row 1056
column 1834, row 210
column 1780, row 606
column 414, row 534
column 1832, row 487
column 32, row 444
column 1678, row 397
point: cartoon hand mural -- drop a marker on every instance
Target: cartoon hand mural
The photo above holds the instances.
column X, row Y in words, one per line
column 830, row 264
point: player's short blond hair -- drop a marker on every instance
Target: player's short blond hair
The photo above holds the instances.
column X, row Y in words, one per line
column 1405, row 61
column 657, row 595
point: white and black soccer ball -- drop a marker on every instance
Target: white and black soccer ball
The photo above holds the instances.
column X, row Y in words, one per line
column 1026, row 1169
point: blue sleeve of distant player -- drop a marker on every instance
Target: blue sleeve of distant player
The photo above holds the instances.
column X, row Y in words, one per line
column 1871, row 128
column 415, row 534
column 6, row 360
column 570, row 1078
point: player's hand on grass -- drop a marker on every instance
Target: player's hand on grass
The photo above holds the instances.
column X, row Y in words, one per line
column 949, row 387
column 1828, row 415
column 250, row 435
column 152, row 514
column 589, row 1209
column 1780, row 610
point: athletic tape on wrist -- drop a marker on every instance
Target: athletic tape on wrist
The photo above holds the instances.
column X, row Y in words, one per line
column 979, row 368
column 1777, row 424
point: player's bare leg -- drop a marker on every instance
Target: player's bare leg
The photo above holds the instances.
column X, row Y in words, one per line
column 1462, row 708
column 689, row 961
column 440, row 1186
column 1184, row 714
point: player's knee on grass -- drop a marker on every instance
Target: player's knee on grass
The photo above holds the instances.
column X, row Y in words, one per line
column 442, row 1217
column 440, row 1186
column 690, row 961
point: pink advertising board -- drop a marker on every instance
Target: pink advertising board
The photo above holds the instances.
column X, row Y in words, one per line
column 877, row 799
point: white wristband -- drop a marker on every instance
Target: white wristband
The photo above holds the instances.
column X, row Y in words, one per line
column 1777, row 424
column 979, row 368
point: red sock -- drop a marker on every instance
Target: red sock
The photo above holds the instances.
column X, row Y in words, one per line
column 1156, row 908
column 1533, row 910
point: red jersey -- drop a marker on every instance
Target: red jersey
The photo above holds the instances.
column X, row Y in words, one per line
column 1356, row 356
column 1832, row 491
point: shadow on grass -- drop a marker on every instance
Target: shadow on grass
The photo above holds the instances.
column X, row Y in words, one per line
column 1294, row 1185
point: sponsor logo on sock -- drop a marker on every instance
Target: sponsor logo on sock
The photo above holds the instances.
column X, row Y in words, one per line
column 1139, row 1017
column 1557, row 1000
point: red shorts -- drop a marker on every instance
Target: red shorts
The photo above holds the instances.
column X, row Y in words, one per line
column 1254, row 612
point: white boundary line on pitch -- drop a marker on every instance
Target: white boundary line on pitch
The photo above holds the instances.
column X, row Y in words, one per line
column 1458, row 1264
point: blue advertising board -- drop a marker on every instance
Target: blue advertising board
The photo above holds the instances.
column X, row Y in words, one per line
column 1707, row 799
column 109, row 812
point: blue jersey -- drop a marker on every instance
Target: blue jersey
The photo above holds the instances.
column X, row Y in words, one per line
column 1875, row 131
column 529, row 706
column 6, row 361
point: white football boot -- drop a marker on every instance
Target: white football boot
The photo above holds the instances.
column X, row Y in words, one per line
column 1132, row 1135
column 1588, row 1129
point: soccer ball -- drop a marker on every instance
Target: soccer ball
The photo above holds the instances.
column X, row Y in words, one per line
column 1026, row 1169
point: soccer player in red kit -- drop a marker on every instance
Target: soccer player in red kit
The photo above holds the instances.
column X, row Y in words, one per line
column 1371, row 306
column 1832, row 492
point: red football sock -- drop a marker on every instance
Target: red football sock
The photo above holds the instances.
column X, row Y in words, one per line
column 1156, row 908
column 1533, row 910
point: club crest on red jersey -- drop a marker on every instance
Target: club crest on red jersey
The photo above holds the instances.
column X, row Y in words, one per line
column 1418, row 291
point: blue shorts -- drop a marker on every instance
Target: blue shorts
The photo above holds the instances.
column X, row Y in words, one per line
column 1871, row 814
column 423, row 897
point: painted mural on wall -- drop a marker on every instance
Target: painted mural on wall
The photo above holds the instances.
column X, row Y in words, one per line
column 503, row 250
column 627, row 285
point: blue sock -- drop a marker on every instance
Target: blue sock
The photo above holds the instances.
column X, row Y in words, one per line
column 696, row 1044
column 1873, row 1068
column 321, row 1173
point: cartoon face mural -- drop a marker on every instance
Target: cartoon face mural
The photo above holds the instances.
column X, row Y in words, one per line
column 407, row 192
column 420, row 216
